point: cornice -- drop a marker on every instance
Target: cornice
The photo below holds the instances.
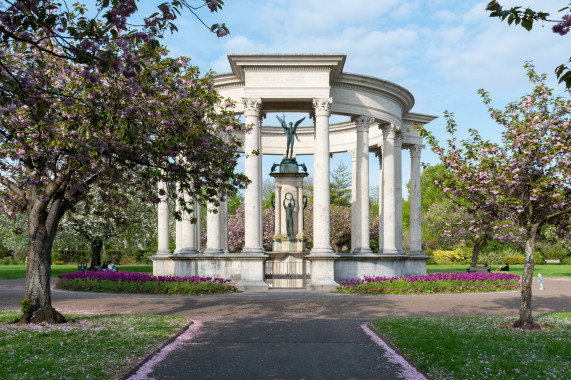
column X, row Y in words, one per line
column 376, row 86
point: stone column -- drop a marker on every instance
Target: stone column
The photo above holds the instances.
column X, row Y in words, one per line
column 253, row 194
column 213, row 235
column 163, row 221
column 198, row 226
column 300, row 212
column 415, row 205
column 278, row 210
column 224, row 225
column 362, row 124
column 392, row 190
column 381, row 203
column 321, row 198
column 354, row 228
column 186, row 237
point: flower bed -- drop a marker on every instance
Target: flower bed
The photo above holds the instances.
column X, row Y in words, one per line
column 132, row 282
column 432, row 283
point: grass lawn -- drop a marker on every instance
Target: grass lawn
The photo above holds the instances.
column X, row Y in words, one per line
column 545, row 270
column 19, row 271
column 482, row 347
column 93, row 347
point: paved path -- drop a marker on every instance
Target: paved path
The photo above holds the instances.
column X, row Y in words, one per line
column 287, row 334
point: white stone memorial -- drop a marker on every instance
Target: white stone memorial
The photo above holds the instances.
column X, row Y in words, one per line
column 381, row 122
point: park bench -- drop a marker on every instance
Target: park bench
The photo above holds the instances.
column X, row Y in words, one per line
column 552, row 261
column 486, row 268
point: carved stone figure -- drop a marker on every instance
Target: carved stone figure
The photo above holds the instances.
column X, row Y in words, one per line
column 289, row 207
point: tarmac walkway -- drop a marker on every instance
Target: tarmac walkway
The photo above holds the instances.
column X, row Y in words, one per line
column 287, row 334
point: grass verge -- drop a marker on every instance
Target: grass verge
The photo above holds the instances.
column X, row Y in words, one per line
column 19, row 271
column 93, row 347
column 483, row 347
column 545, row 270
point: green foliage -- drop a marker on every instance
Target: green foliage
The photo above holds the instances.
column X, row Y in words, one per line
column 340, row 188
column 513, row 260
column 460, row 255
column 538, row 258
column 566, row 261
column 25, row 305
column 476, row 347
column 552, row 250
column 560, row 271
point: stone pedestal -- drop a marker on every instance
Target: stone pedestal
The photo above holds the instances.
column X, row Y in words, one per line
column 289, row 204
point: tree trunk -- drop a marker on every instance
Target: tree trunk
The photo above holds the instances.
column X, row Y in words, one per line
column 525, row 320
column 96, row 246
column 476, row 251
column 42, row 227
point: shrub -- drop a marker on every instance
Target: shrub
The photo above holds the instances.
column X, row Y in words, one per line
column 457, row 256
column 513, row 260
column 538, row 258
column 552, row 251
column 566, row 260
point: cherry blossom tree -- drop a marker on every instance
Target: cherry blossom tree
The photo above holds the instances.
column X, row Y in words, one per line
column 64, row 131
column 523, row 183
column 236, row 229
column 526, row 17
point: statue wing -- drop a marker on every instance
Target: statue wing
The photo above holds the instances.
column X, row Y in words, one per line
column 298, row 123
column 284, row 124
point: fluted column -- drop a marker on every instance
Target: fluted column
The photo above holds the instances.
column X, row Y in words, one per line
column 224, row 225
column 278, row 210
column 392, row 189
column 186, row 230
column 354, row 228
column 415, row 201
column 321, row 198
column 362, row 124
column 198, row 226
column 252, row 194
column 163, row 235
column 213, row 245
column 300, row 212
column 381, row 203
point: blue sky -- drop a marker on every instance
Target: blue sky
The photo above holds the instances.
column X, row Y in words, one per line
column 442, row 51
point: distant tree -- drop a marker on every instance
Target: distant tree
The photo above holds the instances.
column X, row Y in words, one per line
column 236, row 229
column 523, row 183
column 526, row 17
column 340, row 187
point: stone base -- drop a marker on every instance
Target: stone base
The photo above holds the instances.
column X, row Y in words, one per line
column 322, row 272
column 245, row 271
column 285, row 244
column 358, row 266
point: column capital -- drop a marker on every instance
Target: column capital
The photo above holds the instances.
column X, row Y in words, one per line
column 252, row 106
column 362, row 122
column 389, row 129
column 415, row 150
column 322, row 106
